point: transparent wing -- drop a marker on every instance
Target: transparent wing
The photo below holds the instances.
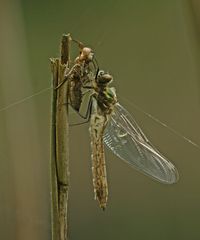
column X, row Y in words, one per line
column 125, row 139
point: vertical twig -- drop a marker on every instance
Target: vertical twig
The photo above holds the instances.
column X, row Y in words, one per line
column 53, row 171
column 59, row 144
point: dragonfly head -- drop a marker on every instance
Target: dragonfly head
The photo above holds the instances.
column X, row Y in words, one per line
column 103, row 78
column 86, row 54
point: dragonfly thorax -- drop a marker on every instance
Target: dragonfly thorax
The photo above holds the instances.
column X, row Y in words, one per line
column 105, row 95
column 106, row 99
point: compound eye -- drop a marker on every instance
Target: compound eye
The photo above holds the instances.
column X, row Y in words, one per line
column 101, row 73
column 107, row 77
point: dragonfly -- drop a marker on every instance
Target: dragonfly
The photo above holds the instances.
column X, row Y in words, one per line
column 111, row 124
column 77, row 79
column 103, row 101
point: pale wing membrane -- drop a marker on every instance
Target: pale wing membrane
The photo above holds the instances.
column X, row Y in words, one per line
column 125, row 139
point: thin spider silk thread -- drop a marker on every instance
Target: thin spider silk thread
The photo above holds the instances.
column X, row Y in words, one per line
column 124, row 99
column 48, row 88
column 35, row 94
column 129, row 102
column 86, row 10
column 161, row 123
column 24, row 99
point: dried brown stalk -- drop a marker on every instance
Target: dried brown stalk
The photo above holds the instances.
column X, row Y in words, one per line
column 59, row 145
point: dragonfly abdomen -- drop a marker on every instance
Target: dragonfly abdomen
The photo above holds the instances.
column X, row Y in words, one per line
column 98, row 123
column 100, row 183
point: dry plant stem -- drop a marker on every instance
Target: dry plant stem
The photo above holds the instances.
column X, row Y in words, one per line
column 53, row 171
column 61, row 148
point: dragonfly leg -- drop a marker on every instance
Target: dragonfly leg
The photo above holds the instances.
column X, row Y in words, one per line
column 87, row 115
column 80, row 44
column 95, row 65
column 66, row 76
column 88, row 87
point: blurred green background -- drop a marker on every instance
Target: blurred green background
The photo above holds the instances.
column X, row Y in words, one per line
column 152, row 49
